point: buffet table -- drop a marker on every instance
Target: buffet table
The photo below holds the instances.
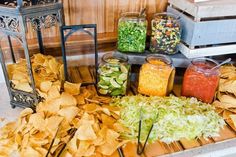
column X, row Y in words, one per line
column 224, row 145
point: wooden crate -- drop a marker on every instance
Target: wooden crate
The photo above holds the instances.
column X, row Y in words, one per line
column 208, row 28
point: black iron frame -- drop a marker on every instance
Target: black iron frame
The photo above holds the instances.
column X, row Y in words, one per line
column 14, row 17
column 72, row 29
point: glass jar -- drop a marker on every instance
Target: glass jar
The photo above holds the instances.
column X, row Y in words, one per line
column 132, row 30
column 113, row 75
column 200, row 81
column 156, row 76
column 166, row 33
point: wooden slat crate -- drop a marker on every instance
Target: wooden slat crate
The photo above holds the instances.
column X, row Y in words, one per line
column 208, row 28
column 159, row 148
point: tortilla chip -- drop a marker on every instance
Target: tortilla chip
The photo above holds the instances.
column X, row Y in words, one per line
column 67, row 100
column 26, row 112
column 53, row 93
column 23, row 87
column 86, row 132
column 226, row 114
column 52, row 124
column 69, row 112
column 233, row 118
column 72, row 88
column 30, row 152
column 37, row 121
column 45, row 86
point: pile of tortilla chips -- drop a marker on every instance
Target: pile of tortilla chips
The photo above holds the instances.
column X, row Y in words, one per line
column 44, row 68
column 226, row 103
column 72, row 122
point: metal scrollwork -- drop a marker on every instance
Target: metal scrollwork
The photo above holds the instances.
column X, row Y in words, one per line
column 13, row 3
column 45, row 1
column 23, row 98
column 9, row 23
column 46, row 21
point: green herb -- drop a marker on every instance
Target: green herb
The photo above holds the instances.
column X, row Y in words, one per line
column 132, row 36
column 113, row 78
column 173, row 118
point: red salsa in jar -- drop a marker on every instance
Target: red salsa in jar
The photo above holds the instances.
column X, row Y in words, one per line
column 200, row 81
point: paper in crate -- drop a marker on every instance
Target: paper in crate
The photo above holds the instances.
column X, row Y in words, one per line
column 209, row 28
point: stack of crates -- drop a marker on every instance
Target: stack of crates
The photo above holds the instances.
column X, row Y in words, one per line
column 208, row 28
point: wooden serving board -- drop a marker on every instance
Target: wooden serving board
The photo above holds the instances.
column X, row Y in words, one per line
column 86, row 73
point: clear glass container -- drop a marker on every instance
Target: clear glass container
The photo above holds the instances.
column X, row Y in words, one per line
column 200, row 81
column 113, row 75
column 156, row 76
column 166, row 33
column 132, row 30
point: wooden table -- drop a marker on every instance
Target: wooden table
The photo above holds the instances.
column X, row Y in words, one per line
column 86, row 74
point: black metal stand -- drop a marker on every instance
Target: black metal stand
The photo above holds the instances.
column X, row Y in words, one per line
column 72, row 30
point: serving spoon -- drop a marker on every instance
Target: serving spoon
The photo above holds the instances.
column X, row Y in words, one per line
column 222, row 63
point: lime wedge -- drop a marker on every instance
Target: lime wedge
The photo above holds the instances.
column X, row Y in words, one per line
column 102, row 91
column 113, row 61
column 119, row 81
column 114, row 83
column 103, row 86
column 123, row 76
column 123, row 68
column 114, row 68
column 107, row 79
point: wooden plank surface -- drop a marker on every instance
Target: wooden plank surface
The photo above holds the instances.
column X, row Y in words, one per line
column 159, row 148
column 206, row 32
column 207, row 51
column 213, row 8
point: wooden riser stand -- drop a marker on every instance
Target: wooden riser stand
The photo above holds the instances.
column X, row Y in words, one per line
column 208, row 28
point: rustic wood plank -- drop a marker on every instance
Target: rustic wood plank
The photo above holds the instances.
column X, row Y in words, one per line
column 208, row 51
column 74, row 75
column 177, row 146
column 231, row 124
column 225, row 133
column 177, row 90
column 155, row 149
column 130, row 150
column 205, row 32
column 92, row 72
column 187, row 144
column 204, row 141
column 216, row 8
column 85, row 74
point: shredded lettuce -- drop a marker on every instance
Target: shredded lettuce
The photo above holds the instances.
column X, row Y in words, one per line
column 173, row 118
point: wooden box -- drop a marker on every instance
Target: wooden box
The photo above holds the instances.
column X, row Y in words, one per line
column 208, row 28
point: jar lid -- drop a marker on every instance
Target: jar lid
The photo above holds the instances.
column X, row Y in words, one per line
column 205, row 65
column 133, row 16
column 159, row 59
column 120, row 58
column 166, row 14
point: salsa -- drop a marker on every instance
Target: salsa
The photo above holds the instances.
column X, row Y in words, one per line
column 200, row 82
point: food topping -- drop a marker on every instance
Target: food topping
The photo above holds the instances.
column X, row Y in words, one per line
column 132, row 34
column 226, row 95
column 200, row 82
column 173, row 118
column 155, row 77
column 113, row 77
column 165, row 34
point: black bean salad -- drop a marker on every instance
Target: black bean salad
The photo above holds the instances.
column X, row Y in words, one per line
column 166, row 33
